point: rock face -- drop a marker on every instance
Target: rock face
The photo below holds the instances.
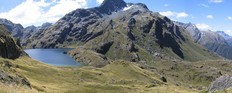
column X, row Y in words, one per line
column 15, row 29
column 221, row 83
column 75, row 26
column 213, row 41
column 191, row 29
column 9, row 47
column 33, row 31
column 118, row 30
column 223, row 34
column 109, row 6
column 227, row 37
column 229, row 41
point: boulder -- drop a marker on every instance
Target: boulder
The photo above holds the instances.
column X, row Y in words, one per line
column 223, row 82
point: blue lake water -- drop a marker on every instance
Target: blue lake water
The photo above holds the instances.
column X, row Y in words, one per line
column 55, row 57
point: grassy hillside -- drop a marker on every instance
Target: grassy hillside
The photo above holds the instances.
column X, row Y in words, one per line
column 123, row 77
column 118, row 76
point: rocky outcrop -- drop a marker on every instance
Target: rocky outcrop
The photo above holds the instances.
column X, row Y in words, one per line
column 89, row 57
column 15, row 80
column 223, row 82
column 9, row 47
column 104, row 48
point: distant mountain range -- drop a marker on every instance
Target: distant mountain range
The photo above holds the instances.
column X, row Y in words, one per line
column 18, row 31
column 218, row 42
column 227, row 37
column 15, row 29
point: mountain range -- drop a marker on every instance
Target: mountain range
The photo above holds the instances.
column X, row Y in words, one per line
column 21, row 33
column 99, row 34
column 218, row 42
column 124, row 47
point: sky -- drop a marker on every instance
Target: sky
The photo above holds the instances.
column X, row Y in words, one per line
column 206, row 14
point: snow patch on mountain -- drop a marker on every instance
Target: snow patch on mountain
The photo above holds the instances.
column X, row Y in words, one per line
column 128, row 7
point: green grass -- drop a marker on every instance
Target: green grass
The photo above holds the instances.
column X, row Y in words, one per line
column 118, row 76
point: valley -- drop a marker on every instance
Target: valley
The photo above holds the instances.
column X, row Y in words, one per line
column 116, row 47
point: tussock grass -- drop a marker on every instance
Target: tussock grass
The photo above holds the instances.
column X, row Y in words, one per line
column 118, row 76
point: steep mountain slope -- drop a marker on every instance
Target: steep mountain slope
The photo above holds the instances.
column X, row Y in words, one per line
column 117, row 30
column 227, row 37
column 229, row 41
column 9, row 47
column 223, row 34
column 191, row 29
column 73, row 26
column 209, row 39
column 33, row 30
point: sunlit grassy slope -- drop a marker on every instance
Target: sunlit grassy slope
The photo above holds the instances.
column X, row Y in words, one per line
column 117, row 77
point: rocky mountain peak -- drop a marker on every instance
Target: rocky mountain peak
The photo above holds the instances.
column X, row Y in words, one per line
column 223, row 34
column 45, row 25
column 109, row 6
column 191, row 24
column 15, row 29
column 141, row 5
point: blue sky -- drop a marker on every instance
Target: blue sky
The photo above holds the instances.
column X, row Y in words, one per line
column 206, row 14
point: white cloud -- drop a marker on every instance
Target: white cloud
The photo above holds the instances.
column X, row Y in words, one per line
column 166, row 5
column 174, row 14
column 182, row 14
column 204, row 5
column 229, row 32
column 99, row 1
column 34, row 12
column 229, row 18
column 216, row 1
column 209, row 16
column 167, row 13
column 202, row 26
